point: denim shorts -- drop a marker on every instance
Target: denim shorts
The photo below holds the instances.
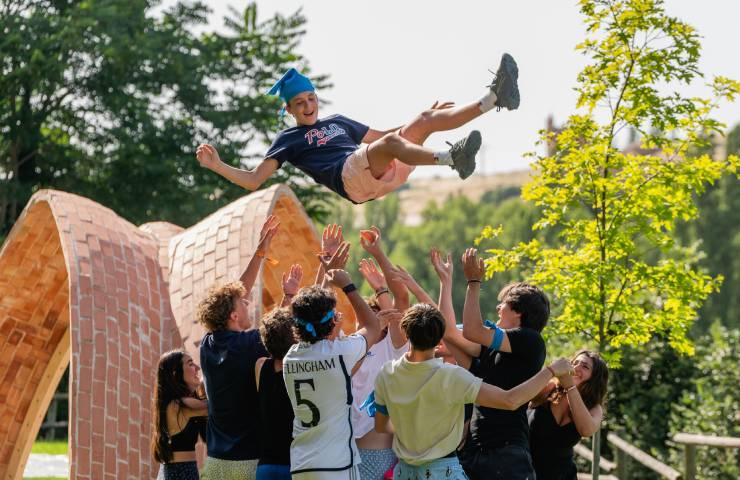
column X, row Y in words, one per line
column 447, row 468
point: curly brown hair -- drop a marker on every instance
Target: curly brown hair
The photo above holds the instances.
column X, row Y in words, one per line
column 214, row 310
column 276, row 331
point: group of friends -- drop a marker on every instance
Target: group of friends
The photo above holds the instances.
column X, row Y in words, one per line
column 407, row 395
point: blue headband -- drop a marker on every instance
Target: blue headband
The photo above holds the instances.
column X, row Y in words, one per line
column 309, row 326
column 290, row 85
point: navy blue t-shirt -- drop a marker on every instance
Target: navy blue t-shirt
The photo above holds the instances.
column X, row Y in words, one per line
column 227, row 359
column 320, row 150
column 493, row 428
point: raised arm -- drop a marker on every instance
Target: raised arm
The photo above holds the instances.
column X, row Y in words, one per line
column 399, row 274
column 494, row 397
column 376, row 280
column 369, row 326
column 291, row 283
column 371, row 242
column 473, row 328
column 587, row 421
column 463, row 350
column 269, row 229
column 208, row 157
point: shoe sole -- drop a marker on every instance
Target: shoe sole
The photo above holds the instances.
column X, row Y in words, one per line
column 511, row 69
column 469, row 148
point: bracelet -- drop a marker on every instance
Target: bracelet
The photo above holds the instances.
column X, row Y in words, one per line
column 570, row 388
column 259, row 253
column 473, row 281
column 381, row 291
column 551, row 370
column 349, row 288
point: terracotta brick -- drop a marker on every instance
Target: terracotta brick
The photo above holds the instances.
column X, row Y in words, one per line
column 114, row 297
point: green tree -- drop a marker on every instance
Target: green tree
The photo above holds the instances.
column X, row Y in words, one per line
column 612, row 287
column 717, row 228
column 108, row 100
column 711, row 405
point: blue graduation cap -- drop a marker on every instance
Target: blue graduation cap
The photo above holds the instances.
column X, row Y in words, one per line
column 292, row 83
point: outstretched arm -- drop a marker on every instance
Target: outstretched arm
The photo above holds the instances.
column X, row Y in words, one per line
column 377, row 282
column 399, row 274
column 494, row 397
column 371, row 242
column 473, row 328
column 463, row 350
column 208, row 157
column 367, row 321
column 269, row 229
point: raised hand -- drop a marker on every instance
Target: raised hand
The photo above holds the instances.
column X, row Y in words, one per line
column 207, row 156
column 268, row 231
column 562, row 367
column 399, row 274
column 371, row 241
column 443, row 267
column 472, row 265
column 338, row 277
column 338, row 260
column 374, row 277
column 331, row 238
column 292, row 279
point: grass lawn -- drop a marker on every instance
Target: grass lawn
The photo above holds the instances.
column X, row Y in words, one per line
column 55, row 447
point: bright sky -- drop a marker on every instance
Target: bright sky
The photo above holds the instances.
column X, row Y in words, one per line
column 388, row 60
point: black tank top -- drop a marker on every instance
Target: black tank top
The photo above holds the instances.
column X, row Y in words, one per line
column 551, row 445
column 276, row 416
column 184, row 440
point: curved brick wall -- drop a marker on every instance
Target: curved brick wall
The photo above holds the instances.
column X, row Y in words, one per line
column 80, row 284
column 218, row 249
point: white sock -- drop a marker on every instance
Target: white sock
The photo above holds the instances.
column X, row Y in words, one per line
column 488, row 102
column 443, row 158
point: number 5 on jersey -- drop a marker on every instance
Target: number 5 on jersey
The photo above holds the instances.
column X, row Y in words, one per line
column 315, row 414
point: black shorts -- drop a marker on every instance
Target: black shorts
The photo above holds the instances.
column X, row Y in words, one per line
column 510, row 462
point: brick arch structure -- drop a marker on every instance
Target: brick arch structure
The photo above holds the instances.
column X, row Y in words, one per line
column 218, row 249
column 79, row 284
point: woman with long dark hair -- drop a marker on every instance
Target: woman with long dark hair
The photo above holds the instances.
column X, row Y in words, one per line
column 564, row 412
column 180, row 415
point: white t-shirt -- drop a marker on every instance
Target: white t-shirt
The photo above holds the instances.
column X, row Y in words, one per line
column 363, row 381
column 426, row 404
column 317, row 377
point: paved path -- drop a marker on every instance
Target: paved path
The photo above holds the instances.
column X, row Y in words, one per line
column 45, row 465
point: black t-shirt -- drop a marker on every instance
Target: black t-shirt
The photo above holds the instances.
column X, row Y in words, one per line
column 276, row 416
column 227, row 359
column 493, row 428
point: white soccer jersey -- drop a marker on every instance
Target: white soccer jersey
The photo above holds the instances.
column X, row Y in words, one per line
column 318, row 380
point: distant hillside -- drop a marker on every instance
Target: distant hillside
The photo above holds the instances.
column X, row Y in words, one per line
column 417, row 193
column 420, row 192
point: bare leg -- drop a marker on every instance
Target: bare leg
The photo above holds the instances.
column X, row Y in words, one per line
column 382, row 152
column 432, row 120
